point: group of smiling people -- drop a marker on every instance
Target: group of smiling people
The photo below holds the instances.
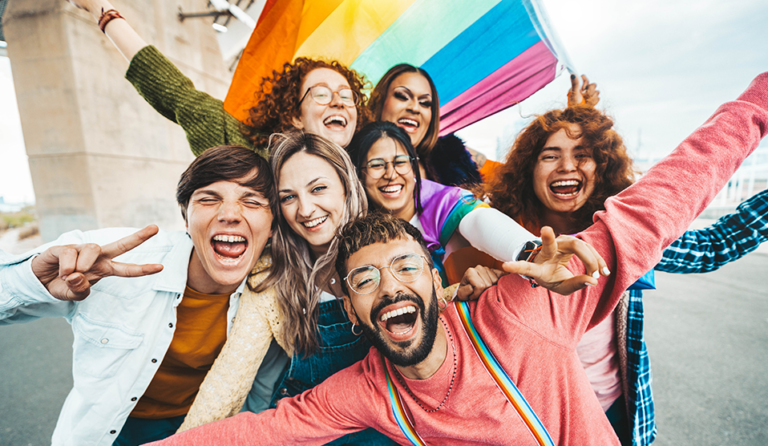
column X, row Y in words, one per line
column 345, row 172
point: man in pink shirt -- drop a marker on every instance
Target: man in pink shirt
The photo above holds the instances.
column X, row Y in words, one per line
column 429, row 363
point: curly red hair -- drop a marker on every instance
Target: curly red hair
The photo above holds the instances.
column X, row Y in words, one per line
column 279, row 97
column 511, row 190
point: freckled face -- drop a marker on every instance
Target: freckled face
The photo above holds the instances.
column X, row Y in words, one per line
column 311, row 199
column 393, row 191
column 334, row 121
column 409, row 105
column 564, row 175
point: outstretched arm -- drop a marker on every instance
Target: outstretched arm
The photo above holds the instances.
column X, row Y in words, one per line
column 730, row 238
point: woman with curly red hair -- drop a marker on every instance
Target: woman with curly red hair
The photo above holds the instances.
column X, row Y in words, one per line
column 321, row 97
column 560, row 171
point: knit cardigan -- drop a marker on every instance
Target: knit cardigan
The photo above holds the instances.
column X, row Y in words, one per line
column 174, row 96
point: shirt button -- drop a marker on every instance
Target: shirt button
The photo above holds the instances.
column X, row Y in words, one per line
column 283, row 391
column 170, row 325
column 134, row 398
column 113, row 432
column 154, row 360
column 104, row 341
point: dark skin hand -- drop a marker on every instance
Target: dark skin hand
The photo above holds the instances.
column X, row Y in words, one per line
column 69, row 271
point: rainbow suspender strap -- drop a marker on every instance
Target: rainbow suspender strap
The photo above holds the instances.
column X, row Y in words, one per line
column 500, row 377
column 502, row 380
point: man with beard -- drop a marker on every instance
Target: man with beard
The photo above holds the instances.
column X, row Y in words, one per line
column 502, row 369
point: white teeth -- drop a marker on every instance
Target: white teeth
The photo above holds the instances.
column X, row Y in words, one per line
column 565, row 183
column 407, row 121
column 228, row 238
column 398, row 312
column 315, row 222
column 391, row 189
column 335, row 119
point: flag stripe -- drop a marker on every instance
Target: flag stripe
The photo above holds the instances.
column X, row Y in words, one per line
column 419, row 33
column 499, row 36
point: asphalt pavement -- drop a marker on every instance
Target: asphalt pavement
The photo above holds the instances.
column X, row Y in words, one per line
column 707, row 336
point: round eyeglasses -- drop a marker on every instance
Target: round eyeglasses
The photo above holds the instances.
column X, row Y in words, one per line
column 377, row 167
column 405, row 268
column 323, row 95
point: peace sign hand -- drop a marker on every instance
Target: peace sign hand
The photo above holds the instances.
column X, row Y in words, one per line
column 69, row 271
column 550, row 267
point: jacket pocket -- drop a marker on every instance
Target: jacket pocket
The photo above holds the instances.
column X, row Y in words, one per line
column 100, row 348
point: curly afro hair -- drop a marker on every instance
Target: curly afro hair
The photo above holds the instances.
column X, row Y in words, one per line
column 511, row 190
column 278, row 98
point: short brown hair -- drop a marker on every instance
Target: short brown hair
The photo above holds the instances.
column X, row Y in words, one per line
column 511, row 190
column 278, row 99
column 374, row 228
column 226, row 163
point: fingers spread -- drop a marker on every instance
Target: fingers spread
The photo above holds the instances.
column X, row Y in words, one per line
column 521, row 267
column 576, row 283
column 548, row 244
column 126, row 244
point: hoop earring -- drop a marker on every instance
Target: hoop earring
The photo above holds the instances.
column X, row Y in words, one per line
column 356, row 333
column 445, row 303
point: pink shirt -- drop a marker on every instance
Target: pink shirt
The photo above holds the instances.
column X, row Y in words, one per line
column 598, row 353
column 532, row 332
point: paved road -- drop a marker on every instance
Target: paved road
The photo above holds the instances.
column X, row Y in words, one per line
column 707, row 335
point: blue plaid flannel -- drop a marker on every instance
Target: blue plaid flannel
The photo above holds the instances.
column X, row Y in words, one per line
column 700, row 251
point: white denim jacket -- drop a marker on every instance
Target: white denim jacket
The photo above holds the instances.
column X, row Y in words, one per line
column 122, row 330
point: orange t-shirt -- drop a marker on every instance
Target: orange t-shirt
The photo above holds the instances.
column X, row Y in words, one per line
column 201, row 330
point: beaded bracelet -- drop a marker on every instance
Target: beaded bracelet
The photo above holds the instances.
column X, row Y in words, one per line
column 108, row 16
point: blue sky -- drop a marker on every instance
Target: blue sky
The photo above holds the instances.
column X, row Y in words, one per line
column 662, row 68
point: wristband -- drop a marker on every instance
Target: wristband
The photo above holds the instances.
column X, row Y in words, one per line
column 528, row 253
column 108, row 16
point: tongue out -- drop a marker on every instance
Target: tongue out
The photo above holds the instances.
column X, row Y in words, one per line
column 565, row 190
column 401, row 323
column 226, row 249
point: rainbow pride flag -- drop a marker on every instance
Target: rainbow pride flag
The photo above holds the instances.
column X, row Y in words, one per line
column 483, row 55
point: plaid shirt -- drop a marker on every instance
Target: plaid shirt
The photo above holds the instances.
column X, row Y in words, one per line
column 700, row 251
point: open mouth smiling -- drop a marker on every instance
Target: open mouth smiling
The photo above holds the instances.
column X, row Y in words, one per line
column 335, row 122
column 399, row 322
column 391, row 190
column 312, row 224
column 566, row 188
column 229, row 249
column 407, row 124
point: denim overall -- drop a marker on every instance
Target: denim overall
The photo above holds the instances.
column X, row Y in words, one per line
column 339, row 349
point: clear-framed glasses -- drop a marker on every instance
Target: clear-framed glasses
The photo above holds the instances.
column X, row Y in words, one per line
column 405, row 268
column 324, row 95
column 377, row 167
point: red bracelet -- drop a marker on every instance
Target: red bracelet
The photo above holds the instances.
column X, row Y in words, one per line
column 108, row 16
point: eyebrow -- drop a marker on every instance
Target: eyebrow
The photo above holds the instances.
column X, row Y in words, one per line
column 311, row 182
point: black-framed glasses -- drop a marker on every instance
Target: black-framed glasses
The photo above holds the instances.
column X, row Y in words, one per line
column 377, row 167
column 366, row 279
column 323, row 95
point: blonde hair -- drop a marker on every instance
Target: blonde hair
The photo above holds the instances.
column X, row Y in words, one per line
column 293, row 269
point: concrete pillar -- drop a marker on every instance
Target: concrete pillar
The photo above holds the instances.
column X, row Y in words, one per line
column 99, row 155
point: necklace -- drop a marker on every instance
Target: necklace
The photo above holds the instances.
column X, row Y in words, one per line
column 450, row 387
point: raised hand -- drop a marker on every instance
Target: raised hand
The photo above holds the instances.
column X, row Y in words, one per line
column 476, row 280
column 69, row 271
column 585, row 94
column 549, row 268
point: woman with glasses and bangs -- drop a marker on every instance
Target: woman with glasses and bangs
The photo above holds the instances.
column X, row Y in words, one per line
column 449, row 218
column 320, row 97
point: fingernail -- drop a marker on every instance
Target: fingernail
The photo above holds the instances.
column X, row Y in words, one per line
column 64, row 278
column 573, row 76
column 606, row 271
column 589, row 284
column 596, row 274
column 76, row 281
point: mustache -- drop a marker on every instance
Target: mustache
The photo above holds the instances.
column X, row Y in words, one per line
column 402, row 297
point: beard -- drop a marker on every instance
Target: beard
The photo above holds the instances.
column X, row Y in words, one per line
column 405, row 354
